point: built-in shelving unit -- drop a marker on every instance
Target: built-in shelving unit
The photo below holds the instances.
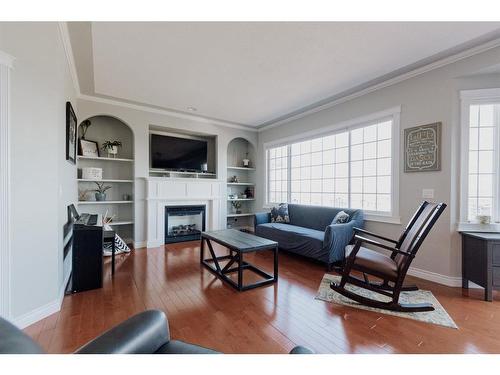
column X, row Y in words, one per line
column 238, row 191
column 116, row 172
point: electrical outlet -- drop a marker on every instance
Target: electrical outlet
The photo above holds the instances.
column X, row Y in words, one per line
column 428, row 193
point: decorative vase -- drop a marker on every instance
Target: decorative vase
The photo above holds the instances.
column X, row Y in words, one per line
column 100, row 197
column 246, row 163
column 112, row 151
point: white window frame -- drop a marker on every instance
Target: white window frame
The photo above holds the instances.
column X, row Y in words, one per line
column 468, row 98
column 393, row 114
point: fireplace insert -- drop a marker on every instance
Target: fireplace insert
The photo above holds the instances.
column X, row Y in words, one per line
column 184, row 223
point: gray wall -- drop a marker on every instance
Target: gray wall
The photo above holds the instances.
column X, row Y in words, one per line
column 140, row 122
column 424, row 99
column 43, row 182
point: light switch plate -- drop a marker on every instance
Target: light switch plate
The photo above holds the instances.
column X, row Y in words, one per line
column 428, row 193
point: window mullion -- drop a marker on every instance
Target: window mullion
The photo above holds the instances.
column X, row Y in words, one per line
column 349, row 203
column 289, row 174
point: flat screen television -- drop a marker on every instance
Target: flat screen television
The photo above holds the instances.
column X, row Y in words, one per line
column 180, row 154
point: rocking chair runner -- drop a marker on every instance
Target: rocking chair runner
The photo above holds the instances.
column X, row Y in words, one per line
column 391, row 269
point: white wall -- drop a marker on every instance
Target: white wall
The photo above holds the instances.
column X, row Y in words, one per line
column 140, row 121
column 43, row 182
column 424, row 99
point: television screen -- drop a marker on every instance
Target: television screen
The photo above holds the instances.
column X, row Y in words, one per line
column 177, row 153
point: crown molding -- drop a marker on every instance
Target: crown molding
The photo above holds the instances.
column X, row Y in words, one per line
column 68, row 50
column 389, row 82
column 145, row 108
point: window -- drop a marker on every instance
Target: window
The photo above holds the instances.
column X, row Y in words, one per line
column 278, row 172
column 480, row 139
column 347, row 167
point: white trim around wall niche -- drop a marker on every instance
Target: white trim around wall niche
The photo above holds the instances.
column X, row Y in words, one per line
column 5, row 227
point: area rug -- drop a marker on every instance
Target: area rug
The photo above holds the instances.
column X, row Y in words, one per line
column 439, row 316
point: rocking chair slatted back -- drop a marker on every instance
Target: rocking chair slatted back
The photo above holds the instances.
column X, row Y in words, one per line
column 410, row 224
column 418, row 231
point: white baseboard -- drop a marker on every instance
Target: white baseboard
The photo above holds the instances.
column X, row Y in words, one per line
column 140, row 244
column 154, row 243
column 37, row 314
column 43, row 311
column 453, row 281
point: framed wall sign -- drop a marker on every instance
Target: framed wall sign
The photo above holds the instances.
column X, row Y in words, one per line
column 70, row 134
column 423, row 148
column 89, row 148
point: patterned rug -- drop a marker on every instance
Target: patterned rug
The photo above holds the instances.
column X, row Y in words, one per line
column 439, row 316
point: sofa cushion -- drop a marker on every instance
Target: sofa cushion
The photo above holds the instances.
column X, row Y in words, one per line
column 318, row 217
column 280, row 214
column 341, row 218
column 300, row 240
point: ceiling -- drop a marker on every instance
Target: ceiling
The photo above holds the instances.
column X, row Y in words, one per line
column 254, row 73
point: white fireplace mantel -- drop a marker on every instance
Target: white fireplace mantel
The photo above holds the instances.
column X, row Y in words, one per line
column 162, row 192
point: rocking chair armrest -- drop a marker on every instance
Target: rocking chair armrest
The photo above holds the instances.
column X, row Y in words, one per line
column 373, row 242
column 364, row 231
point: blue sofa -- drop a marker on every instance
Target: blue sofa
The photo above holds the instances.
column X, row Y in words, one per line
column 310, row 232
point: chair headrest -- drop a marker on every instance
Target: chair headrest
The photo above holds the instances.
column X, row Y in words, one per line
column 15, row 341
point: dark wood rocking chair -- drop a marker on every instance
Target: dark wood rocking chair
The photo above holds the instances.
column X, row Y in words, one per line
column 391, row 268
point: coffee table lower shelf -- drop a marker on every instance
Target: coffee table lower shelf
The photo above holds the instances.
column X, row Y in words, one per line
column 236, row 264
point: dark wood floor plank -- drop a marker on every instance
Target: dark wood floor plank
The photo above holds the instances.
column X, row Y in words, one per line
column 272, row 319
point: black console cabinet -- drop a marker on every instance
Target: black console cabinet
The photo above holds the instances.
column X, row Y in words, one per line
column 481, row 261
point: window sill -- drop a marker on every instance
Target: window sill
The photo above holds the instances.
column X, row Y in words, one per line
column 476, row 227
column 396, row 220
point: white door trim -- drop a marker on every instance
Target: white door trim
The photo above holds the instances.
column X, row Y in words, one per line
column 5, row 230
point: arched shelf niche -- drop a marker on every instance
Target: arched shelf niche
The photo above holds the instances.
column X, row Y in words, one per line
column 241, row 178
column 117, row 172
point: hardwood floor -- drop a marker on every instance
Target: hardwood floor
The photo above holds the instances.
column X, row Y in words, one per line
column 273, row 319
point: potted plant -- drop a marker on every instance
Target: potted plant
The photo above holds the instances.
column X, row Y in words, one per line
column 236, row 205
column 100, row 192
column 111, row 147
column 85, row 126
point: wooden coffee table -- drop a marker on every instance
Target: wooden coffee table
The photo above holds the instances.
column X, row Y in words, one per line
column 238, row 243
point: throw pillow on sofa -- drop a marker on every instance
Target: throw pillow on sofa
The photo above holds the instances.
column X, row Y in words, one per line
column 280, row 214
column 341, row 218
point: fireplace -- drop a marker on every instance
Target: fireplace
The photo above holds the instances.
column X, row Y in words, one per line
column 184, row 223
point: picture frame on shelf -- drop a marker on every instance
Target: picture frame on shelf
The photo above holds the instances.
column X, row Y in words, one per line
column 89, row 148
column 71, row 129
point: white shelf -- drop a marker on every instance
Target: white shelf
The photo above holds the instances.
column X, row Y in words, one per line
column 105, row 202
column 241, row 199
column 80, row 157
column 241, row 215
column 241, row 168
column 241, row 183
column 121, row 222
column 170, row 174
column 103, row 180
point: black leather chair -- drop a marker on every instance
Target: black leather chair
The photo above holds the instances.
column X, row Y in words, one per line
column 144, row 333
